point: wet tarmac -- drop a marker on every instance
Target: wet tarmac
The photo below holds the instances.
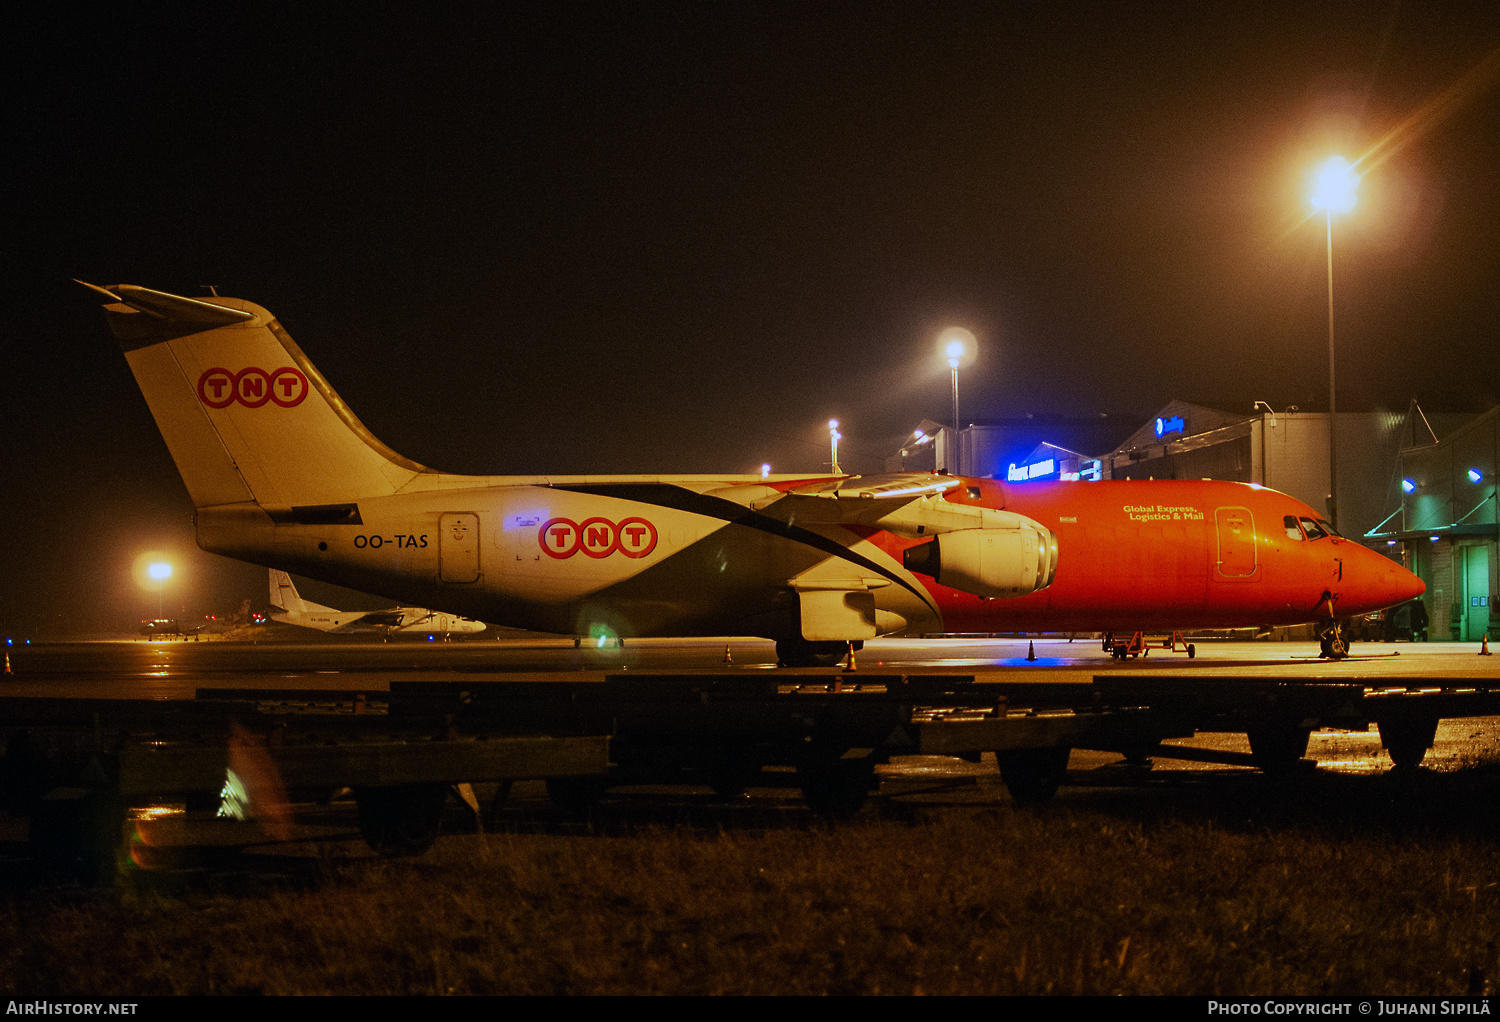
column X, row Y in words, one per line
column 175, row 669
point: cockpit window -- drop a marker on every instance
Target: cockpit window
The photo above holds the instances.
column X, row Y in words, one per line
column 1330, row 529
column 1293, row 531
column 1315, row 530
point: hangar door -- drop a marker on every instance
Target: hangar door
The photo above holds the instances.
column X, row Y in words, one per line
column 458, row 548
column 1236, row 543
column 1476, row 592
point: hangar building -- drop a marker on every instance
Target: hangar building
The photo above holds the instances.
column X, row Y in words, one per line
column 1444, row 525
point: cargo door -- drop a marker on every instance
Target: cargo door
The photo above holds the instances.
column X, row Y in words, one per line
column 1236, row 545
column 458, row 548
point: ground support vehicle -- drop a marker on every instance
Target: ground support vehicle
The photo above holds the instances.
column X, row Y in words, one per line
column 88, row 772
column 1138, row 644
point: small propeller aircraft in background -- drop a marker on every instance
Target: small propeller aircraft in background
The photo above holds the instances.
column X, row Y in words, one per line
column 289, row 608
column 284, row 475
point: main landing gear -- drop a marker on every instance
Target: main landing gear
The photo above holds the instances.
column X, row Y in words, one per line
column 799, row 652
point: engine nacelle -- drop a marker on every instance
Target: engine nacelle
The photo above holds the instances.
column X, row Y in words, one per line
column 994, row 563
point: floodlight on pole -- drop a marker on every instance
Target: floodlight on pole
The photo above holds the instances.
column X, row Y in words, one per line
column 957, row 347
column 834, row 436
column 1334, row 187
column 159, row 571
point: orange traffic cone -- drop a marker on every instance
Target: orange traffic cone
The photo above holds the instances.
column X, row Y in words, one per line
column 1484, row 647
column 7, row 663
column 1030, row 651
column 728, row 660
column 851, row 666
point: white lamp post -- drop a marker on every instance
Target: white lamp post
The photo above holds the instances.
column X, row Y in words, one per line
column 957, row 347
column 1333, row 192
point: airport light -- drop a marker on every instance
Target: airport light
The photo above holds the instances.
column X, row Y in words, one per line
column 159, row 572
column 1475, row 475
column 1334, row 186
column 1408, row 486
column 834, row 436
column 957, row 347
column 765, row 471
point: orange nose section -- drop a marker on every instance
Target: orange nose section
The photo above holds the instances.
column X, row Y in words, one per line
column 1372, row 582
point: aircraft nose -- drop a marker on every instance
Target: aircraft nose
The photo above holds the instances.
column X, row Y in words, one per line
column 1373, row 582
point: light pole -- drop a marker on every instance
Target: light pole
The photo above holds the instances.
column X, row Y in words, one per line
column 1333, row 192
column 958, row 347
column 833, row 438
column 160, row 571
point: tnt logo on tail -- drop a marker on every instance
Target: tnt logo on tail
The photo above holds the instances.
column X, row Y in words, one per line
column 252, row 387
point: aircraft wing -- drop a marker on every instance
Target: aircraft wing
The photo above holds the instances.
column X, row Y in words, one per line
column 380, row 619
column 906, row 503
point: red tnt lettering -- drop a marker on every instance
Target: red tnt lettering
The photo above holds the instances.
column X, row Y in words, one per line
column 216, row 388
column 638, row 537
column 599, row 537
column 293, row 386
column 252, row 387
column 596, row 537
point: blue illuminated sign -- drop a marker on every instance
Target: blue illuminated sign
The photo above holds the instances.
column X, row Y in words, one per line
column 1036, row 470
column 1176, row 424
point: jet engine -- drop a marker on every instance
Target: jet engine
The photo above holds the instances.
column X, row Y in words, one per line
column 989, row 562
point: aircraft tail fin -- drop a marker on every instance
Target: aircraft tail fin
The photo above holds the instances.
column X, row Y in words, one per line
column 285, row 598
column 244, row 413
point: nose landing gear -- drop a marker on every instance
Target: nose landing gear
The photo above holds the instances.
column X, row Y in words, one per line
column 1332, row 645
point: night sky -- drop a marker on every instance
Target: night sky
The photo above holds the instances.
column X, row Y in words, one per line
column 567, row 238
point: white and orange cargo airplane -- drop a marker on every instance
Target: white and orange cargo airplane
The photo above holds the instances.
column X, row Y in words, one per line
column 282, row 474
column 289, row 608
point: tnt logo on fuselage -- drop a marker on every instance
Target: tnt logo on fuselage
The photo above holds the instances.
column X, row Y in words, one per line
column 252, row 387
column 597, row 537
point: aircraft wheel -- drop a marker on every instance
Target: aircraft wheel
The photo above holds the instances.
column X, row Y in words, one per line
column 1033, row 775
column 576, row 796
column 401, row 819
column 1192, row 651
column 800, row 652
column 835, row 788
column 1407, row 741
column 1277, row 748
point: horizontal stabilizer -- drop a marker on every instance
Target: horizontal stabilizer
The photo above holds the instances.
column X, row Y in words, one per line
column 171, row 308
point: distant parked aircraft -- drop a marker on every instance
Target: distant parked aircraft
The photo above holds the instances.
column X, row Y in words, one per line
column 294, row 610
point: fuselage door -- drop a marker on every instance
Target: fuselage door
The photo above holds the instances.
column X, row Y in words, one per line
column 1236, row 529
column 458, row 548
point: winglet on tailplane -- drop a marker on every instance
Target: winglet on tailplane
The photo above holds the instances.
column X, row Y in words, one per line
column 244, row 413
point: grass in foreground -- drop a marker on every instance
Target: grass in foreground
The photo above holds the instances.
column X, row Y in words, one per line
column 1331, row 885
